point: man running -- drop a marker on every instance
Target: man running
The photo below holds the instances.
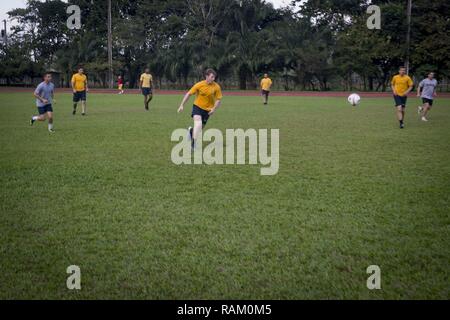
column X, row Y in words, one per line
column 44, row 94
column 427, row 91
column 208, row 100
column 402, row 84
column 120, row 84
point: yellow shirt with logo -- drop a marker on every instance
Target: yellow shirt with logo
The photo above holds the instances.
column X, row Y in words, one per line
column 266, row 83
column 401, row 84
column 147, row 80
column 79, row 82
column 207, row 94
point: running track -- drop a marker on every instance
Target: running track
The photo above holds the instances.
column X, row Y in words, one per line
column 249, row 93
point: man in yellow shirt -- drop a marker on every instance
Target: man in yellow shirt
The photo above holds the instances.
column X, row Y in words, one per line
column 208, row 100
column 266, row 84
column 79, row 87
column 146, row 84
column 402, row 84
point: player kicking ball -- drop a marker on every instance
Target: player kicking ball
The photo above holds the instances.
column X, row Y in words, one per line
column 426, row 91
column 44, row 94
column 208, row 100
column 80, row 88
column 402, row 84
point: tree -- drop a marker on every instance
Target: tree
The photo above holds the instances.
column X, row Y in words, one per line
column 315, row 45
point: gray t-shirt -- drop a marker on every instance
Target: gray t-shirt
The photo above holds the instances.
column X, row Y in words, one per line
column 44, row 91
column 428, row 87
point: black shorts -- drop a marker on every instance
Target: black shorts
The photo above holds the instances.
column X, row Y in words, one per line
column 429, row 101
column 79, row 96
column 45, row 109
column 400, row 101
column 197, row 111
column 265, row 93
column 146, row 91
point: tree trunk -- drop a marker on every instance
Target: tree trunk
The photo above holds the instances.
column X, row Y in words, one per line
column 242, row 78
column 370, row 83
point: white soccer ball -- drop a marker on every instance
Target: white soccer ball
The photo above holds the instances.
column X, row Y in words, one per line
column 354, row 99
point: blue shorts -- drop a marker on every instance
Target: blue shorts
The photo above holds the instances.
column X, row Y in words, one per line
column 400, row 101
column 197, row 111
column 45, row 109
column 79, row 95
column 146, row 91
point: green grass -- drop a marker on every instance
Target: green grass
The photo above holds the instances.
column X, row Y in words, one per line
column 102, row 193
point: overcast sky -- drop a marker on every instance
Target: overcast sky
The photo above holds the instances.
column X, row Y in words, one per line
column 6, row 6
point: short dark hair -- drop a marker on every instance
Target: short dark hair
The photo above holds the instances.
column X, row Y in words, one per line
column 402, row 67
column 210, row 71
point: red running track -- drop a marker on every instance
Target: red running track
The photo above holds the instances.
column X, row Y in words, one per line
column 249, row 93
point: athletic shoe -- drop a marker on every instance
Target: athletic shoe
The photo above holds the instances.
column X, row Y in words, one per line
column 419, row 110
column 424, row 119
column 402, row 126
column 51, row 130
column 74, row 112
column 83, row 114
column 32, row 121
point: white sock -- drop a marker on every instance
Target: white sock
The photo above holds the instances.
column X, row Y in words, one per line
column 35, row 118
column 50, row 126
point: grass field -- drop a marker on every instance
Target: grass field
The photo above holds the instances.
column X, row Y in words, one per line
column 353, row 190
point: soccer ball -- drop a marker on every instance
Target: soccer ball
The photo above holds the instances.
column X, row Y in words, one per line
column 354, row 99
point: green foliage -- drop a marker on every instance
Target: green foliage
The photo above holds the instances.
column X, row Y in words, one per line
column 431, row 47
column 317, row 44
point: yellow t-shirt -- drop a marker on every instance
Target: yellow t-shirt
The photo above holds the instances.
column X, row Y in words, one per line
column 79, row 82
column 147, row 80
column 401, row 84
column 207, row 94
column 266, row 83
